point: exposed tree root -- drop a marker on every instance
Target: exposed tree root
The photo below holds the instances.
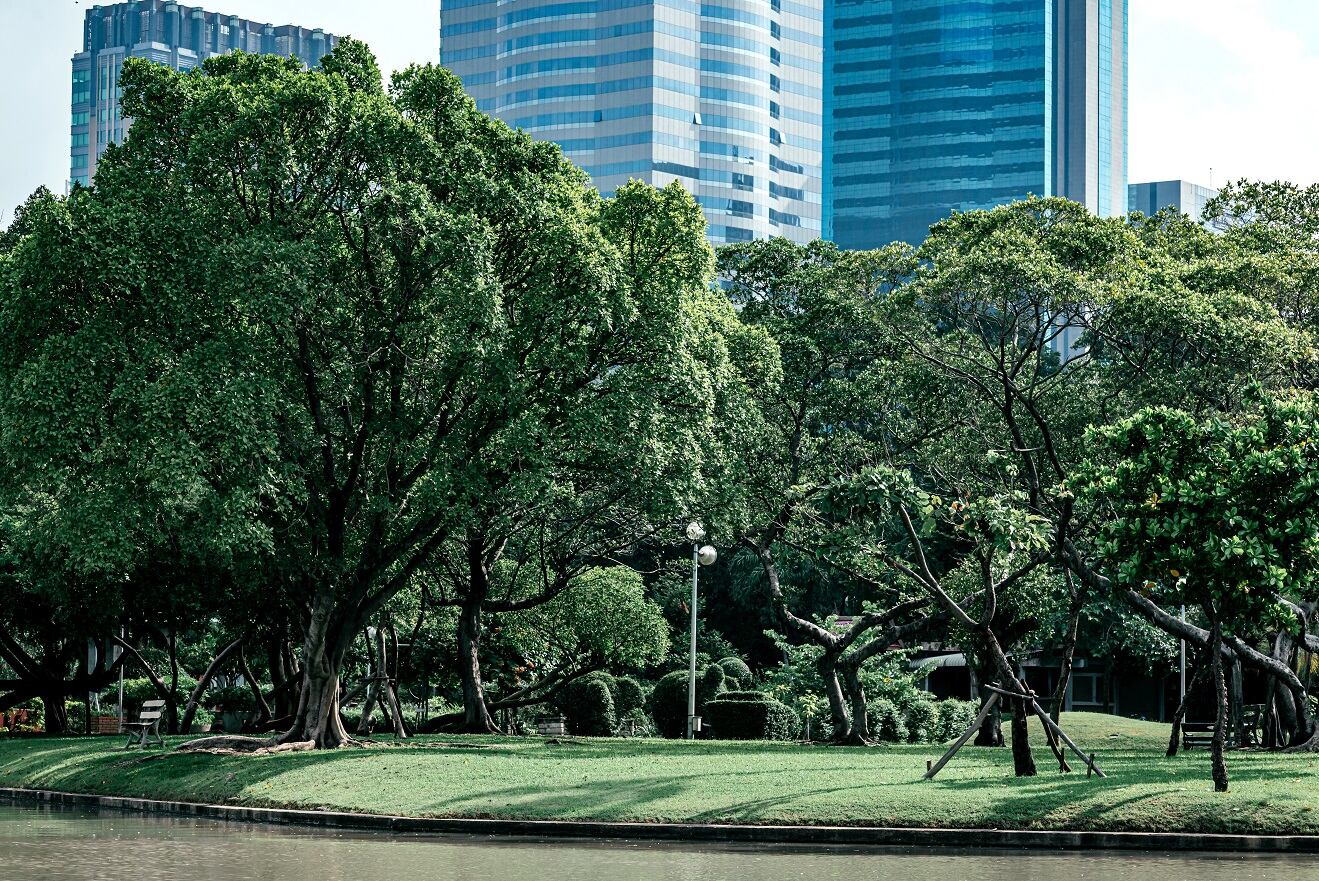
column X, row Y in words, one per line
column 238, row 745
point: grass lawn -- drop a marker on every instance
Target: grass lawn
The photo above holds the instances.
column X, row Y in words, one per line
column 713, row 781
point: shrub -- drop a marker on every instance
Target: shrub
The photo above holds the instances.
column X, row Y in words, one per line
column 578, row 701
column 736, row 670
column 629, row 697
column 595, row 712
column 922, row 717
column 887, row 722
column 669, row 705
column 235, row 699
column 669, row 700
column 746, row 718
column 744, row 696
column 955, row 717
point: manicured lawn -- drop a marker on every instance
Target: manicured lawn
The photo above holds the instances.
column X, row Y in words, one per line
column 714, row 782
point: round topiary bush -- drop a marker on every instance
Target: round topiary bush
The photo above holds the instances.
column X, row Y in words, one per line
column 669, row 705
column 669, row 700
column 628, row 696
column 736, row 670
column 595, row 714
column 580, row 702
column 746, row 718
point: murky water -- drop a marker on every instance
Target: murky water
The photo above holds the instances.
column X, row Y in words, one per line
column 55, row 845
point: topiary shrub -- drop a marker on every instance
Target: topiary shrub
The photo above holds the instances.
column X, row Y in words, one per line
column 669, row 700
column 746, row 718
column 595, row 714
column 955, row 717
column 887, row 722
column 629, row 696
column 922, row 717
column 736, row 670
column 579, row 702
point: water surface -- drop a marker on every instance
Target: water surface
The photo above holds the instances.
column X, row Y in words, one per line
column 55, row 845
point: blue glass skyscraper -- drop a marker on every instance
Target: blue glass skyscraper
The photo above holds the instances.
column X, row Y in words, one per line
column 178, row 36
column 933, row 106
column 722, row 95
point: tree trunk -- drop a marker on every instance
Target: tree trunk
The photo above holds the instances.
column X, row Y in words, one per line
column 859, row 731
column 194, row 699
column 1220, row 702
column 1236, row 699
column 991, row 730
column 839, row 720
column 172, row 699
column 1079, row 596
column 1023, row 763
column 57, row 718
column 476, row 716
column 317, row 717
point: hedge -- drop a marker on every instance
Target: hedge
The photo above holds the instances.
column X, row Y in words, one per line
column 748, row 719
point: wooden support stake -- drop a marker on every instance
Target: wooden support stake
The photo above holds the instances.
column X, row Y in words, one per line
column 1048, row 720
column 1091, row 766
column 966, row 735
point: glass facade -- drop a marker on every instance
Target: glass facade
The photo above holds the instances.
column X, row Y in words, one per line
column 169, row 33
column 723, row 96
column 936, row 106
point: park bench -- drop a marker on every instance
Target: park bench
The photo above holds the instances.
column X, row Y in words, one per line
column 147, row 725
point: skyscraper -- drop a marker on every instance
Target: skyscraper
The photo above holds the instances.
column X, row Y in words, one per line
column 722, row 95
column 934, row 106
column 1188, row 198
column 180, row 37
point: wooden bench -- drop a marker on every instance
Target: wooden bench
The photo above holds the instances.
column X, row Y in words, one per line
column 147, row 726
column 1201, row 735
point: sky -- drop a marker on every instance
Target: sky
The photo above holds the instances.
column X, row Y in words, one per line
column 1220, row 89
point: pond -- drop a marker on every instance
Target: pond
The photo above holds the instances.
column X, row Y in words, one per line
column 55, row 845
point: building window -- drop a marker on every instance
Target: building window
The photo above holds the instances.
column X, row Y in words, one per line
column 81, row 117
column 743, row 181
column 774, row 30
column 775, row 57
column 79, row 140
column 79, row 161
column 774, row 109
column 775, row 85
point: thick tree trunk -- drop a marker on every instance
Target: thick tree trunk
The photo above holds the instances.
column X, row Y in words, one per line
column 1220, row 703
column 1023, row 763
column 476, row 715
column 859, row 730
column 1236, row 700
column 840, row 721
column 317, row 717
column 57, row 718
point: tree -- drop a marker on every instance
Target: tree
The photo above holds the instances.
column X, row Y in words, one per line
column 1217, row 513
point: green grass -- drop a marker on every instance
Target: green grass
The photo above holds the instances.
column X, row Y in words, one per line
column 714, row 782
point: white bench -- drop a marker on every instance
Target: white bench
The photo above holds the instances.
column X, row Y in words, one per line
column 147, row 726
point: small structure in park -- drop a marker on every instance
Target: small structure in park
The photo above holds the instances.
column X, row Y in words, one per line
column 1051, row 728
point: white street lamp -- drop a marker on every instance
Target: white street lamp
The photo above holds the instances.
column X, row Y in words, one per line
column 701, row 556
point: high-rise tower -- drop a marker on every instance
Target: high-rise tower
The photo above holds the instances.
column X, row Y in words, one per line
column 178, row 36
column 934, row 106
column 722, row 95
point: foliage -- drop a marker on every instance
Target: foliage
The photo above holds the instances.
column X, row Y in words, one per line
column 669, row 700
column 595, row 716
column 955, row 716
column 748, row 718
column 629, row 696
column 887, row 721
column 737, row 671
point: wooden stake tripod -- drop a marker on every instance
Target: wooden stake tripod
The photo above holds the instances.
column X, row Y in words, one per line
column 994, row 699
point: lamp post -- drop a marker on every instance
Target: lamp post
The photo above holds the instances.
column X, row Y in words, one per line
column 701, row 556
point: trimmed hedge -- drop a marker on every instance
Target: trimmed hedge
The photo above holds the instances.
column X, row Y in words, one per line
column 628, row 696
column 745, row 718
column 669, row 701
column 736, row 670
column 596, row 716
column 585, row 708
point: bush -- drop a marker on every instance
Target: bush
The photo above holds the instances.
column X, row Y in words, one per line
column 955, row 717
column 669, row 705
column 922, row 717
column 669, row 700
column 887, row 722
column 746, row 718
column 235, row 699
column 744, row 696
column 596, row 716
column 736, row 670
column 629, row 696
column 580, row 702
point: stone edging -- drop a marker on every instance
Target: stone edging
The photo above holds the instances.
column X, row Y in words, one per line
column 690, row 832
